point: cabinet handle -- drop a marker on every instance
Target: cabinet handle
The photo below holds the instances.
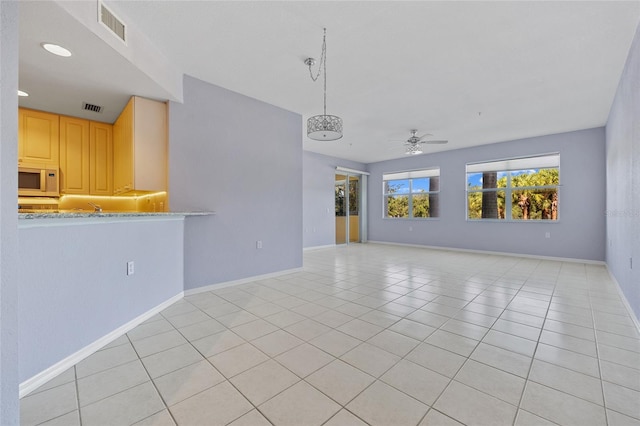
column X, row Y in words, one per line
column 43, row 180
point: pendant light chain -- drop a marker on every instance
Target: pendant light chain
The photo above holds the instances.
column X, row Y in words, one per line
column 322, row 66
column 322, row 58
column 324, row 52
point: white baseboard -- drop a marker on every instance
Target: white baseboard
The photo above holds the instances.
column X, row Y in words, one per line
column 44, row 376
column 625, row 301
column 499, row 253
column 41, row 378
column 240, row 281
column 319, row 247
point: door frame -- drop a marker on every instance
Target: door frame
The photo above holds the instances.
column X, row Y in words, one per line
column 362, row 222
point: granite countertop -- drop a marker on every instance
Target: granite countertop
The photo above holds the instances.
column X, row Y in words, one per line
column 92, row 215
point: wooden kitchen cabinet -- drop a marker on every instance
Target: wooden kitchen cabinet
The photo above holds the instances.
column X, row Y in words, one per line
column 123, row 150
column 140, row 147
column 74, row 155
column 86, row 157
column 38, row 137
column 100, row 158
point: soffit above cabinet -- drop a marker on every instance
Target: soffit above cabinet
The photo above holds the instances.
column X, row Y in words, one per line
column 97, row 73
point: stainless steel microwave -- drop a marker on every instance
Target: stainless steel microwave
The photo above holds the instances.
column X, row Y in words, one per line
column 40, row 182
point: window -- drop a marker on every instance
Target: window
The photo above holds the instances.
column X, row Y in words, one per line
column 515, row 189
column 411, row 194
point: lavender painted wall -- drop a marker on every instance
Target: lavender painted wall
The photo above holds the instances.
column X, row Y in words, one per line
column 318, row 179
column 241, row 158
column 579, row 234
column 9, row 405
column 78, row 291
column 623, row 180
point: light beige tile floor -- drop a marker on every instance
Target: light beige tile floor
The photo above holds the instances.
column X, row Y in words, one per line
column 371, row 334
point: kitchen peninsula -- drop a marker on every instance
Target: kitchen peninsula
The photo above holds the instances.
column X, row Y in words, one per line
column 99, row 249
column 97, row 215
column 87, row 278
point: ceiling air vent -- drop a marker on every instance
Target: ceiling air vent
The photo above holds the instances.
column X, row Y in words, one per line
column 110, row 21
column 91, row 107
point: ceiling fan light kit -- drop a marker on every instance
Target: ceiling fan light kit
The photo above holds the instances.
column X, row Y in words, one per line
column 414, row 143
column 413, row 149
column 323, row 127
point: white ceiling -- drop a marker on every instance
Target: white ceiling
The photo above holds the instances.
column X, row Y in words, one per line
column 469, row 72
column 95, row 73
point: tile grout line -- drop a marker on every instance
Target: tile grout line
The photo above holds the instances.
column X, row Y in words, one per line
column 595, row 336
column 526, row 383
column 166, row 407
column 469, row 356
column 228, row 380
column 336, row 358
column 343, row 408
column 450, row 379
column 75, row 378
column 214, row 367
column 196, row 349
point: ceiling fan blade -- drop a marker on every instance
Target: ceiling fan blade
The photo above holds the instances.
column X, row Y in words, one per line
column 435, row 142
column 425, row 135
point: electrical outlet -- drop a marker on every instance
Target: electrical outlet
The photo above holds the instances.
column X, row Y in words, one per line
column 547, row 234
column 130, row 268
column 259, row 244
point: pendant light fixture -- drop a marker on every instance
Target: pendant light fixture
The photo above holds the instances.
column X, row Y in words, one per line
column 323, row 127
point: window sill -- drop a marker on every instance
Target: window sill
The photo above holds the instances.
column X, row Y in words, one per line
column 419, row 219
column 545, row 221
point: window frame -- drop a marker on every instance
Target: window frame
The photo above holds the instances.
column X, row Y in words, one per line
column 409, row 175
column 552, row 160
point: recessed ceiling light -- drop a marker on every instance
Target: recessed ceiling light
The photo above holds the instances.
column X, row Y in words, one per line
column 56, row 50
column 21, row 93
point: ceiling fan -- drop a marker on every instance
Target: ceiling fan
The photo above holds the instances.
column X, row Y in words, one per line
column 414, row 143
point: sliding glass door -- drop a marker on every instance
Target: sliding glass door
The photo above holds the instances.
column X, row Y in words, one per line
column 348, row 205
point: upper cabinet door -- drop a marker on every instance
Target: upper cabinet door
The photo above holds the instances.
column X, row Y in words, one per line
column 74, row 155
column 150, row 145
column 123, row 150
column 38, row 137
column 101, row 159
column 140, row 147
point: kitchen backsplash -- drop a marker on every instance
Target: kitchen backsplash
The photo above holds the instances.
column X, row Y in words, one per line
column 135, row 201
